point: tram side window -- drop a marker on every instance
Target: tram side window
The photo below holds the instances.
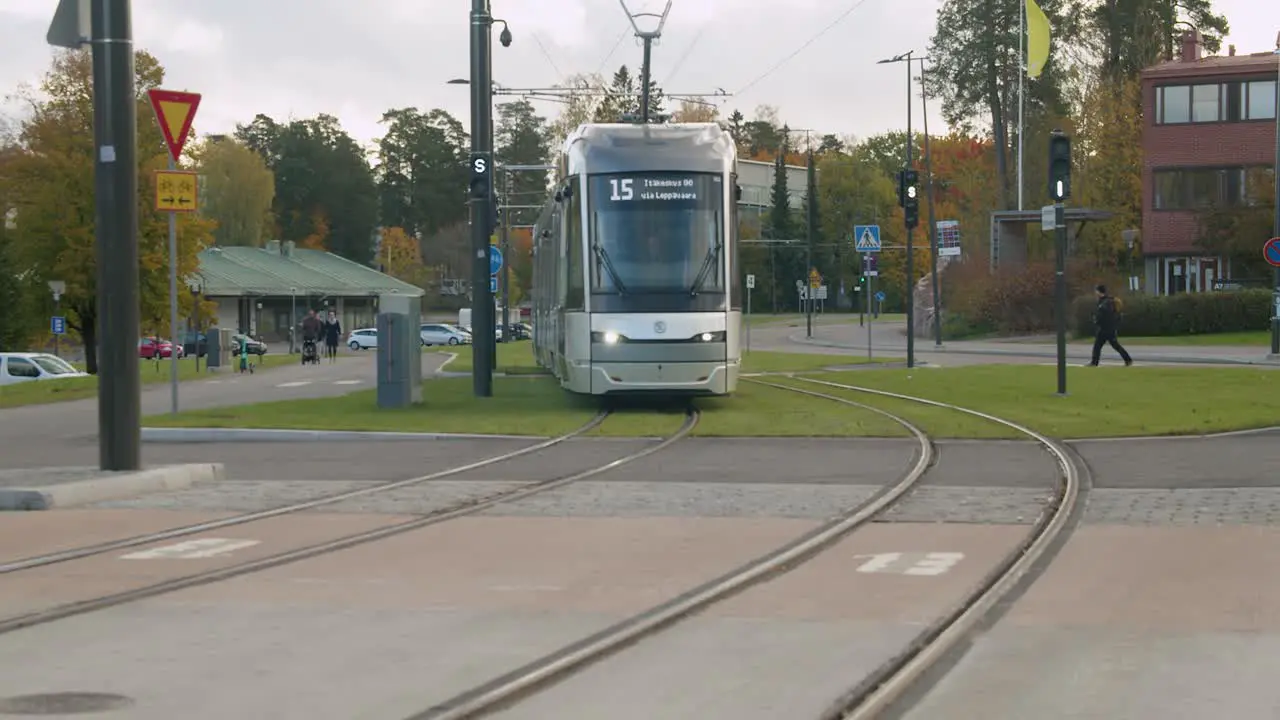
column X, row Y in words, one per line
column 575, row 297
column 731, row 235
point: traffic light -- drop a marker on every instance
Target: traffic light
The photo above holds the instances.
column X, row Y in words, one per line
column 911, row 197
column 1059, row 166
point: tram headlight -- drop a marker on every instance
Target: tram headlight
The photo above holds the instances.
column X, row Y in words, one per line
column 706, row 337
column 608, row 338
column 710, row 337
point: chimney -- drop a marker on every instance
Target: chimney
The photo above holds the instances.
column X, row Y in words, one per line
column 287, row 248
column 1231, row 51
column 272, row 246
column 1192, row 46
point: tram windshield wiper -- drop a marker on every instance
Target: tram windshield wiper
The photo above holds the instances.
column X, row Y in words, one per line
column 602, row 257
column 708, row 263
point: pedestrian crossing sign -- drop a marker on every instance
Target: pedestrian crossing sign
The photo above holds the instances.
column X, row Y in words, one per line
column 866, row 238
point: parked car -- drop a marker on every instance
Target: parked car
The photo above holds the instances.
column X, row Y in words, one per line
column 20, row 367
column 442, row 334
column 195, row 344
column 521, row 331
column 254, row 347
column 152, row 348
column 497, row 332
column 363, row 339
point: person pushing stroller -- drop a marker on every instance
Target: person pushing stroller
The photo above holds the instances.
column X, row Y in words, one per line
column 312, row 329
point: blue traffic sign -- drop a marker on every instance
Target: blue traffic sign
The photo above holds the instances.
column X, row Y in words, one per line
column 866, row 238
column 493, row 285
column 879, row 296
column 495, row 259
column 58, row 325
column 1271, row 251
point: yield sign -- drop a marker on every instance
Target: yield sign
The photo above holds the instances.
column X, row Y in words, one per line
column 174, row 112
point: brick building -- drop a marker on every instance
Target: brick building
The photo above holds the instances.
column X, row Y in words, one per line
column 1209, row 134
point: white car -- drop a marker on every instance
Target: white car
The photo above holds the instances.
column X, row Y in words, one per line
column 442, row 334
column 19, row 367
column 363, row 339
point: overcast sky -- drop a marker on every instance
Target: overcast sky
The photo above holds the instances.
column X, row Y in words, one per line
column 357, row 59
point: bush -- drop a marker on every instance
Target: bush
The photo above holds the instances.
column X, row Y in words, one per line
column 1183, row 314
column 1010, row 301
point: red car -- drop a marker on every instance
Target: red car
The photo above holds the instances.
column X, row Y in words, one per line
column 151, row 348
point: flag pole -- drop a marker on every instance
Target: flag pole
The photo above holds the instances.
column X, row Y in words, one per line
column 1022, row 72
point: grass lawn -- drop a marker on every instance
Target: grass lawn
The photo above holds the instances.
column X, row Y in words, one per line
column 51, row 391
column 1101, row 402
column 517, row 359
column 834, row 318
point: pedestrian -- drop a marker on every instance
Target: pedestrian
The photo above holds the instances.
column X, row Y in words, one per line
column 332, row 334
column 1106, row 319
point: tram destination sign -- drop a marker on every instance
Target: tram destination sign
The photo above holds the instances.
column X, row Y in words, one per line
column 655, row 190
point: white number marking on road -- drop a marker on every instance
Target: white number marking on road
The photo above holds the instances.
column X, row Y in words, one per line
column 934, row 563
column 191, row 549
column 295, row 383
column 347, row 382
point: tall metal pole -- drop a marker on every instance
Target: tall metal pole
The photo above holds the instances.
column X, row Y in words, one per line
column 644, row 81
column 1275, row 229
column 1060, row 291
column 481, row 212
column 115, row 131
column 911, row 295
column 933, row 222
column 1022, row 74
column 811, row 229
column 506, row 256
column 173, row 305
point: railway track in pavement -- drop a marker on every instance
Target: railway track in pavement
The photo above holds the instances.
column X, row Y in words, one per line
column 868, row 696
column 450, row 512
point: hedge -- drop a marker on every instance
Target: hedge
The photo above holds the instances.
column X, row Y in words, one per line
column 1183, row 314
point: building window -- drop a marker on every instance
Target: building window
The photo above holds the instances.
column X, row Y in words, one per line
column 1206, row 100
column 1199, row 188
column 1175, row 104
column 1259, row 101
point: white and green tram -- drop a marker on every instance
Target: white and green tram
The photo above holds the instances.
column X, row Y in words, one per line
column 636, row 284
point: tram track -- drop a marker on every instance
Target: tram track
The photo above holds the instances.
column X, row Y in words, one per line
column 887, row 685
column 451, row 512
column 61, row 556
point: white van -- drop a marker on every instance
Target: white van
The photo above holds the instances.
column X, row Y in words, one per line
column 18, row 367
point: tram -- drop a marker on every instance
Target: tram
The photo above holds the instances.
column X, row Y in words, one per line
column 636, row 286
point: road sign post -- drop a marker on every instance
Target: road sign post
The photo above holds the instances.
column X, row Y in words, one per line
column 58, row 325
column 175, row 193
column 751, row 285
column 866, row 238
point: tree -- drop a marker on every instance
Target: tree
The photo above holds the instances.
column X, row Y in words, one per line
column 422, row 176
column 587, row 92
column 764, row 135
column 400, row 256
column 522, row 140
column 17, row 321
column 1129, row 35
column 1109, row 148
column 320, row 171
column 54, row 198
column 696, row 111
column 975, row 66
column 238, row 192
column 623, row 97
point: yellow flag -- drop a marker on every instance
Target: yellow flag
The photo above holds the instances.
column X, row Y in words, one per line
column 1037, row 39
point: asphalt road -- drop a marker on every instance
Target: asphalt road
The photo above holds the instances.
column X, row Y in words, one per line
column 57, row 433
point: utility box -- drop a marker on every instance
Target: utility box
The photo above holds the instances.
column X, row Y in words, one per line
column 399, row 351
column 218, row 348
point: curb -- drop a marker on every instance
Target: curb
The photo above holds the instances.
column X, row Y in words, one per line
column 266, row 435
column 109, row 486
column 1176, row 359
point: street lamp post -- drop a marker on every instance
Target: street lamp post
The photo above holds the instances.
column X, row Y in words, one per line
column 1275, row 228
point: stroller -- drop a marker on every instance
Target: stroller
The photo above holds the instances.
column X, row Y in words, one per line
column 310, row 352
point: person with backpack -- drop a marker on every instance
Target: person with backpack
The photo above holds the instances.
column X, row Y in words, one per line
column 1106, row 319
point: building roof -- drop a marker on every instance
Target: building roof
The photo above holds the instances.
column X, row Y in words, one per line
column 286, row 270
column 1251, row 64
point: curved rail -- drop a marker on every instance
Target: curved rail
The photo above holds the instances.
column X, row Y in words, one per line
column 538, row 674
column 891, row 681
column 60, row 612
column 130, row 542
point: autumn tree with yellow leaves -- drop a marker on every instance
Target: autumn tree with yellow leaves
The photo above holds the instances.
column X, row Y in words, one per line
column 53, row 198
column 400, row 256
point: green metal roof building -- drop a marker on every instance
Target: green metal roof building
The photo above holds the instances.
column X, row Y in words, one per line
column 258, row 289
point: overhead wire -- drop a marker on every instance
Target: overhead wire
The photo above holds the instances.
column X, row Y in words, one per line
column 684, row 56
column 812, row 39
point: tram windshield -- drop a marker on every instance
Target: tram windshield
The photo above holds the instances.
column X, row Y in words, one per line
column 657, row 233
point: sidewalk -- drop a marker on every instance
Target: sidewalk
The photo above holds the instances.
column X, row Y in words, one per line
column 890, row 337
